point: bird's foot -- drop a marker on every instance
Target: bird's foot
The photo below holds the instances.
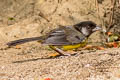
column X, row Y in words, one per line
column 66, row 54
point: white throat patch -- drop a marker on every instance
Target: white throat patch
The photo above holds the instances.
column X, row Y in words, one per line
column 85, row 31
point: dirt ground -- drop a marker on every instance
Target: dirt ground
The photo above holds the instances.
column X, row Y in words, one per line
column 30, row 18
column 31, row 64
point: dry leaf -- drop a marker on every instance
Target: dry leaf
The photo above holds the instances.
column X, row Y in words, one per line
column 100, row 48
column 109, row 33
column 112, row 44
column 54, row 55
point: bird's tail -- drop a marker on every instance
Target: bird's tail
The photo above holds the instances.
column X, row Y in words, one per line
column 21, row 41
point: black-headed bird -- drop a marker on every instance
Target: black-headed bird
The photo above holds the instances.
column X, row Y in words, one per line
column 64, row 37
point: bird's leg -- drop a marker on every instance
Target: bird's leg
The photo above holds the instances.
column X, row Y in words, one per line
column 61, row 52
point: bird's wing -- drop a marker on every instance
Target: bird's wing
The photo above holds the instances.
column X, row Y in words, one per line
column 56, row 37
column 72, row 35
column 65, row 35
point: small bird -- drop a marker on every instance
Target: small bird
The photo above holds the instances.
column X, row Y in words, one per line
column 64, row 37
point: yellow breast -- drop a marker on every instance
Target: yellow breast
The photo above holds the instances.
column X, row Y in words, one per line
column 68, row 47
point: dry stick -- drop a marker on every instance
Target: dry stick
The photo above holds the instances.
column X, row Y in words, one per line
column 97, row 7
column 99, row 18
column 111, row 25
column 43, row 16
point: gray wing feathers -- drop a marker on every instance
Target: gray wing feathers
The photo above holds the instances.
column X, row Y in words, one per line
column 65, row 35
column 73, row 35
column 56, row 40
column 56, row 37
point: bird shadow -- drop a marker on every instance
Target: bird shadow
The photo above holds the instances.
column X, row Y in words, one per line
column 36, row 59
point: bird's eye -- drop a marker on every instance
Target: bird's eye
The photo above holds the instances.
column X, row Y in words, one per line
column 88, row 27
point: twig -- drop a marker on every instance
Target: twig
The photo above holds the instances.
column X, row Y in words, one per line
column 43, row 16
column 111, row 24
column 101, row 20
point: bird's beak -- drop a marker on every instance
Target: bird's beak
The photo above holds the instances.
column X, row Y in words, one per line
column 97, row 28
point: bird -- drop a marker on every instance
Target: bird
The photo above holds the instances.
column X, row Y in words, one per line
column 64, row 37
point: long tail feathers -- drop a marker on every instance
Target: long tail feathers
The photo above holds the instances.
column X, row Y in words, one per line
column 21, row 41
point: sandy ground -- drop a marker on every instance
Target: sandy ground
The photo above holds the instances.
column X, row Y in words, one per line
column 29, row 18
column 32, row 64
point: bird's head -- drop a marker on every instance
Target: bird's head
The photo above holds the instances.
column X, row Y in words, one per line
column 87, row 27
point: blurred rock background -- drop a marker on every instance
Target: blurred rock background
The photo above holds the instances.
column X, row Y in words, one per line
column 28, row 18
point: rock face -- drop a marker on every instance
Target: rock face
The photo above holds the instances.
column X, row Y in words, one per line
column 28, row 18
